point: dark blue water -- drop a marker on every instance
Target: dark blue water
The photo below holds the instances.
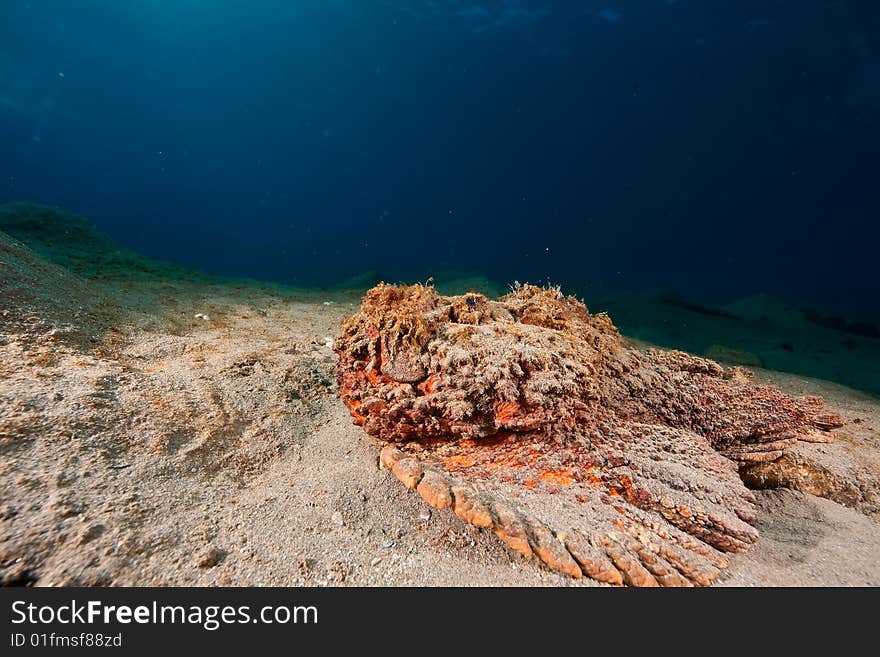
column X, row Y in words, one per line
column 715, row 148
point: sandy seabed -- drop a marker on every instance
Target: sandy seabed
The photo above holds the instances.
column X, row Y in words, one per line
column 143, row 445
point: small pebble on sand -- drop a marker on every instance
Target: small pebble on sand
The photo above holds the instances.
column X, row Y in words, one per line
column 209, row 557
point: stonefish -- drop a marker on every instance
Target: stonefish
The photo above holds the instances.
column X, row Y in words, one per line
column 532, row 418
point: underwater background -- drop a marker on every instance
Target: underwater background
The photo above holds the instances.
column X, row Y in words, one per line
column 707, row 151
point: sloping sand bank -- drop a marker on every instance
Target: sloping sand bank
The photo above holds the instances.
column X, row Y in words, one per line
column 143, row 445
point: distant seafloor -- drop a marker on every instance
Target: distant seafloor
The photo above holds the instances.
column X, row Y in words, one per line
column 754, row 331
